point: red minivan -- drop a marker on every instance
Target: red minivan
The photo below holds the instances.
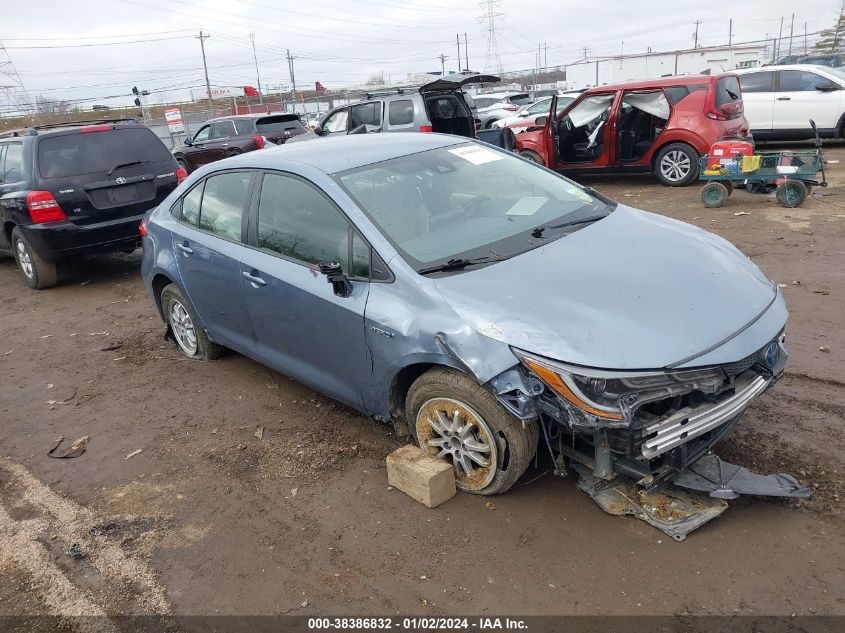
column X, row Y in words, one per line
column 661, row 126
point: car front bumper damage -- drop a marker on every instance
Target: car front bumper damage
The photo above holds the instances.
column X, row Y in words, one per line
column 640, row 467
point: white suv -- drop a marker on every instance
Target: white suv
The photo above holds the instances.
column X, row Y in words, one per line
column 779, row 101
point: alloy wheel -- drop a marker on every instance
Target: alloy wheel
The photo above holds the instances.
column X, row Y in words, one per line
column 675, row 165
column 452, row 430
column 24, row 259
column 183, row 328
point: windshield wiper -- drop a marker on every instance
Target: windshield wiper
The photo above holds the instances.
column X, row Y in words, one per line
column 458, row 263
column 134, row 162
column 537, row 233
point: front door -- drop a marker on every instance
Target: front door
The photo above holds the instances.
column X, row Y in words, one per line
column 583, row 135
column 758, row 99
column 197, row 152
column 303, row 328
column 207, row 247
column 798, row 100
column 336, row 123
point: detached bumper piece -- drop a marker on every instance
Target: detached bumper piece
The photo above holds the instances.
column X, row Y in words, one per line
column 727, row 481
column 678, row 512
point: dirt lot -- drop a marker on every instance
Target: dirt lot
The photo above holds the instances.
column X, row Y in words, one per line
column 209, row 518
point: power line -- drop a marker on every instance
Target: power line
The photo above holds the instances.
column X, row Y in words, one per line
column 159, row 39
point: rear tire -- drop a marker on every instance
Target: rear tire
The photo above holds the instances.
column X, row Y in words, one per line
column 534, row 157
column 186, row 328
column 37, row 272
column 452, row 415
column 791, row 194
column 676, row 165
column 714, row 194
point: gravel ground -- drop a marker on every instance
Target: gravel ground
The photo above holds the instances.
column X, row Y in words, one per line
column 210, row 518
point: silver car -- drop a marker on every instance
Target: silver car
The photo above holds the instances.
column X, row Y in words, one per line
column 482, row 304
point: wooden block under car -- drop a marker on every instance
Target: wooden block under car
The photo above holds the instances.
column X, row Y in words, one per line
column 429, row 480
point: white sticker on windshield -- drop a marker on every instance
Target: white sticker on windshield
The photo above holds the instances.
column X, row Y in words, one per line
column 476, row 155
column 527, row 206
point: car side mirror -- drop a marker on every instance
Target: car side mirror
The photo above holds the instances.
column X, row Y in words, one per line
column 318, row 130
column 826, row 87
column 189, row 141
column 334, row 275
column 541, row 120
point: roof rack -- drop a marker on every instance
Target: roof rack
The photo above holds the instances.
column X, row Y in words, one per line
column 386, row 93
column 33, row 129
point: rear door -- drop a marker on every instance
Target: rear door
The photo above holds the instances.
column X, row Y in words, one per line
column 798, row 100
column 222, row 142
column 303, row 329
column 104, row 173
column 207, row 246
column 758, row 98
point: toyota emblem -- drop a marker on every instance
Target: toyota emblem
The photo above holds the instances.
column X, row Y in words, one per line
column 121, row 181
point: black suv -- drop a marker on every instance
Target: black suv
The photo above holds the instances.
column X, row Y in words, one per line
column 71, row 188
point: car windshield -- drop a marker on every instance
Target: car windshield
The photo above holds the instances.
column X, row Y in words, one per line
column 468, row 201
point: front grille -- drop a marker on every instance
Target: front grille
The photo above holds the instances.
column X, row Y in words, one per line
column 740, row 366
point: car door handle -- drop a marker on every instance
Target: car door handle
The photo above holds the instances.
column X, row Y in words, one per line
column 784, row 98
column 254, row 279
column 185, row 248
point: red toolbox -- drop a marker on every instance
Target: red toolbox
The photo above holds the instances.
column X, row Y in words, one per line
column 723, row 153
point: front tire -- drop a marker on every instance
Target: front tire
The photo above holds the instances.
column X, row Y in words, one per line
column 183, row 322
column 534, row 157
column 37, row 272
column 453, row 417
column 791, row 194
column 676, row 165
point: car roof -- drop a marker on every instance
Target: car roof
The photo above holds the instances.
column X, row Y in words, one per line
column 759, row 69
column 254, row 115
column 660, row 82
column 331, row 155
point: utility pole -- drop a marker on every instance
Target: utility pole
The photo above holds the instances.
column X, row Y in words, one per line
column 695, row 37
column 780, row 39
column 202, row 39
column 545, row 56
column 466, row 50
column 586, row 52
column 257, row 76
column 442, row 57
column 458, row 41
column 730, row 32
column 805, row 38
column 292, row 79
column 791, row 28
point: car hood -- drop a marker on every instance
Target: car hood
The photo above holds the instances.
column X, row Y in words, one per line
column 634, row 290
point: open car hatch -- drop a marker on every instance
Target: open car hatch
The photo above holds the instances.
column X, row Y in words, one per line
column 458, row 80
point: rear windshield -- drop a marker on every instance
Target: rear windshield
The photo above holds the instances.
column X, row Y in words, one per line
column 278, row 124
column 91, row 152
column 727, row 90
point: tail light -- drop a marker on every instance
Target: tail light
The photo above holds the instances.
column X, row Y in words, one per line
column 512, row 107
column 259, row 141
column 142, row 228
column 42, row 207
column 426, row 128
column 96, row 128
column 181, row 174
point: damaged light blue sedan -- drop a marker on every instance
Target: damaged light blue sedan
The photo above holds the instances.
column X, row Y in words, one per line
column 486, row 306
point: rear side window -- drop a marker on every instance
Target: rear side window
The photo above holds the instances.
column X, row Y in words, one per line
column 677, row 93
column 244, row 127
column 92, row 152
column 222, row 206
column 277, row 124
column 297, row 221
column 13, row 163
column 758, row 82
column 191, row 205
column 727, row 91
column 366, row 114
column 222, row 129
column 400, row 112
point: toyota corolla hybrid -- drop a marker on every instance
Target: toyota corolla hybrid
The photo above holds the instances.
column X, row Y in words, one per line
column 482, row 303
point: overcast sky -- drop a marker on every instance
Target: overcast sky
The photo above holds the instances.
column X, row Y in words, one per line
column 66, row 49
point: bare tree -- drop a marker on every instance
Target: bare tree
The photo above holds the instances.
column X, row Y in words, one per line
column 49, row 105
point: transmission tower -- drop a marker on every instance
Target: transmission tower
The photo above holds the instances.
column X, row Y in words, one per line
column 493, row 59
column 14, row 99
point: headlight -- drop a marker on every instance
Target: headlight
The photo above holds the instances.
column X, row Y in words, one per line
column 610, row 395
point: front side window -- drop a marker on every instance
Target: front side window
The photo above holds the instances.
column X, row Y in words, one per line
column 297, row 221
column 366, row 114
column 467, row 201
column 203, row 135
column 222, row 129
column 400, row 112
column 801, row 81
column 223, row 202
column 337, row 121
column 757, row 82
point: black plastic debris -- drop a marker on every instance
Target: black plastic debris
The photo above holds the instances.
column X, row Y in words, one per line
column 724, row 480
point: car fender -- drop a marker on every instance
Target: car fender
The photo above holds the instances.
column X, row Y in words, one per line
column 532, row 141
